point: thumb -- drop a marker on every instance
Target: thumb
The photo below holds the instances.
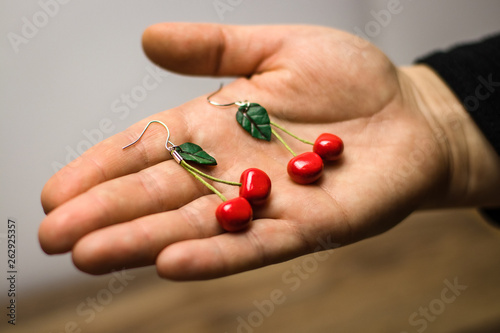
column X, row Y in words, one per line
column 210, row 49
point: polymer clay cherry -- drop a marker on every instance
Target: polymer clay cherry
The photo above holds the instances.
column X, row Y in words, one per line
column 255, row 186
column 234, row 214
column 305, row 168
column 328, row 146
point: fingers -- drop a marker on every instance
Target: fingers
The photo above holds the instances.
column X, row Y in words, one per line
column 231, row 253
column 187, row 243
column 163, row 187
column 210, row 49
column 138, row 242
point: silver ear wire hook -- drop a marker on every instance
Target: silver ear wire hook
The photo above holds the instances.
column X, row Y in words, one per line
column 238, row 103
column 169, row 148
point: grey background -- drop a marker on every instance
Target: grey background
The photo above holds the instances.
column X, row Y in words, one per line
column 73, row 70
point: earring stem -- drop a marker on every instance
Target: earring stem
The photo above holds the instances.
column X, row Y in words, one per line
column 291, row 134
column 283, row 142
column 204, row 182
column 187, row 166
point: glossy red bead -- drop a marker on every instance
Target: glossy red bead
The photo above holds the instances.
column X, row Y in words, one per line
column 329, row 147
column 305, row 168
column 255, row 186
column 234, row 214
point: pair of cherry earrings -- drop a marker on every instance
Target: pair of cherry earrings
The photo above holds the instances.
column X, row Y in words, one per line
column 255, row 185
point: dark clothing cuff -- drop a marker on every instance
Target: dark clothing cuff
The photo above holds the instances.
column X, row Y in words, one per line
column 472, row 71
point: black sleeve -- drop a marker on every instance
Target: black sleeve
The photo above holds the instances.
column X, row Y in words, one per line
column 472, row 71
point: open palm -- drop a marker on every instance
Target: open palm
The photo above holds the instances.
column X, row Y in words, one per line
column 119, row 208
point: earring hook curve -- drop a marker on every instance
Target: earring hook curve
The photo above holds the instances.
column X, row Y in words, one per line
column 239, row 103
column 169, row 148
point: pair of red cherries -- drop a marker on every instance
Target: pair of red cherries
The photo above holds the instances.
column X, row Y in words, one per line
column 306, row 168
column 236, row 214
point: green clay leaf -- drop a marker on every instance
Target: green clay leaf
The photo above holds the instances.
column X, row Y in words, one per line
column 194, row 153
column 255, row 120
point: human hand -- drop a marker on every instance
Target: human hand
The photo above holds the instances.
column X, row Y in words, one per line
column 117, row 208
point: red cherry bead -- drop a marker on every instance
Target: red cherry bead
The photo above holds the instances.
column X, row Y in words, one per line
column 328, row 146
column 234, row 214
column 305, row 168
column 255, row 186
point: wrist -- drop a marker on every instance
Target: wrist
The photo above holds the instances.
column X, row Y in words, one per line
column 473, row 166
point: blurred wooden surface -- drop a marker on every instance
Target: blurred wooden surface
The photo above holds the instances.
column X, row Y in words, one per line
column 384, row 284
